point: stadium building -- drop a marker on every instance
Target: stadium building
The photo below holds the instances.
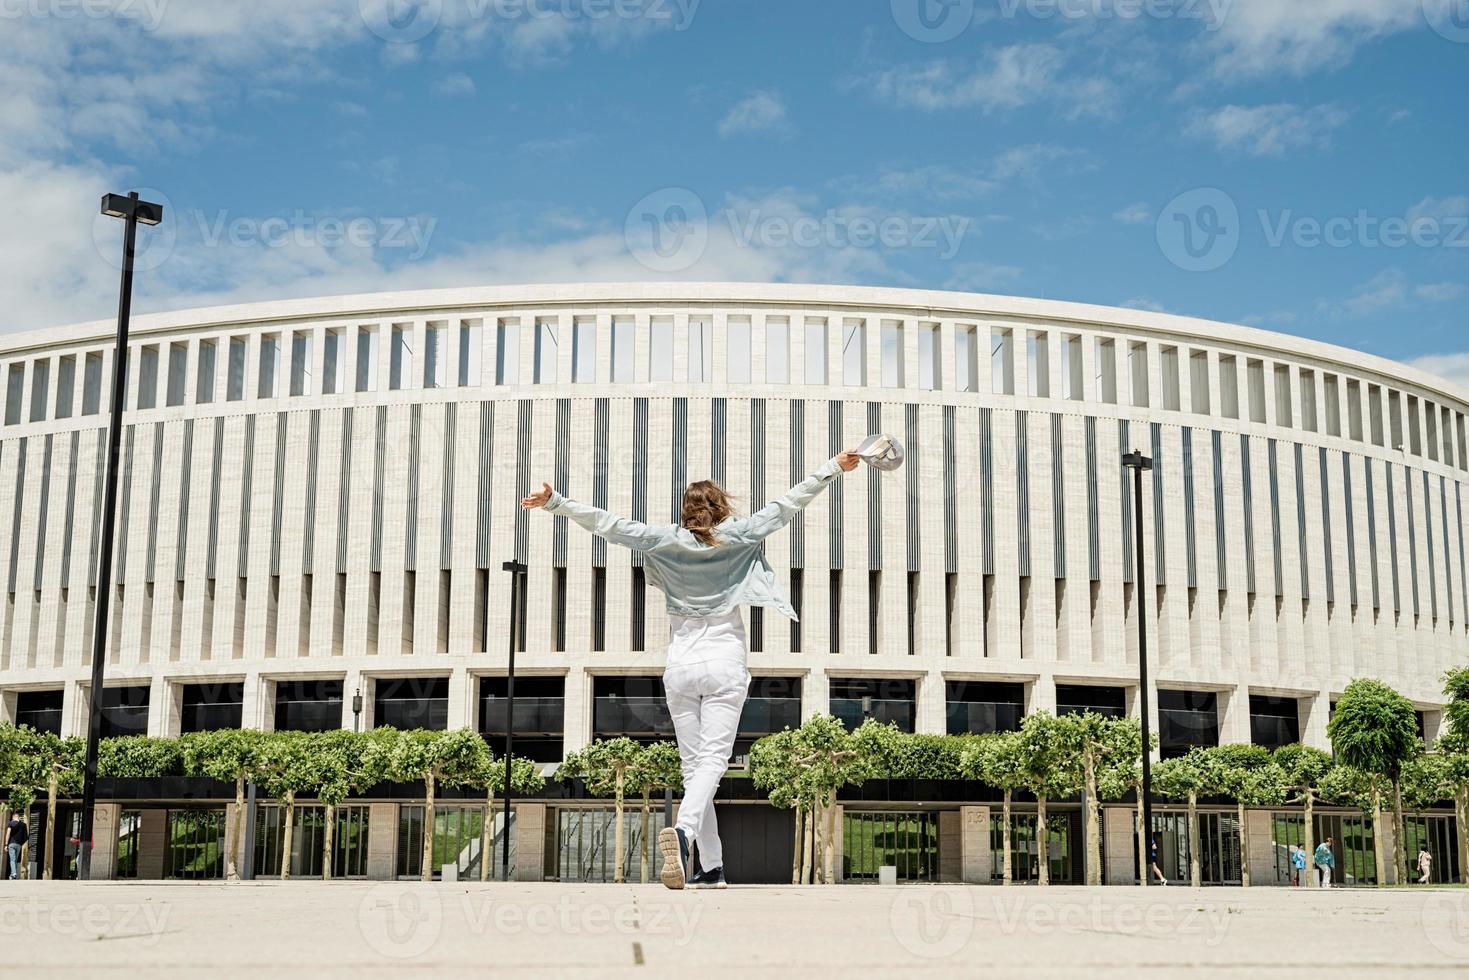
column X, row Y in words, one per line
column 317, row 496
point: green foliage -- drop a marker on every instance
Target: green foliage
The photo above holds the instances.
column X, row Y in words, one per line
column 896, row 754
column 284, row 765
column 996, row 760
column 1456, row 711
column 1122, row 758
column 601, row 763
column 800, row 766
column 657, row 767
column 227, row 754
column 773, row 767
column 1432, row 778
column 140, row 757
column 1048, row 765
column 1374, row 728
column 345, row 762
column 1191, row 775
column 1304, row 767
column 1248, row 774
column 1349, row 786
column 457, row 758
column 525, row 777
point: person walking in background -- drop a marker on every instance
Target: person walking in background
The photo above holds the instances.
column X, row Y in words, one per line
column 1325, row 862
column 707, row 566
column 1425, row 866
column 1153, row 863
column 1297, row 864
column 16, row 834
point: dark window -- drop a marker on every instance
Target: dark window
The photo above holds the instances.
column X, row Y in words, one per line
column 1274, row 721
column 308, row 706
column 411, row 702
column 558, row 609
column 834, row 607
column 599, row 608
column 774, row 703
column 209, row 707
column 1187, row 719
column 798, row 588
column 853, row 700
column 1075, row 699
column 540, row 713
column 631, row 706
column 639, row 605
column 124, row 711
column 984, row 706
column 40, row 710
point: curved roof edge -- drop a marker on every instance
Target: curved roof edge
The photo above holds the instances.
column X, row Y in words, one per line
column 930, row 302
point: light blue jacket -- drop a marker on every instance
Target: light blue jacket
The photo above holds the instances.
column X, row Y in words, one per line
column 697, row 579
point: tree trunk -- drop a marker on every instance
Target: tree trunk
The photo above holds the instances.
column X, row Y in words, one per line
column 1007, row 877
column 643, row 851
column 426, row 855
column 328, row 831
column 619, row 862
column 1399, row 832
column 487, row 837
column 1195, row 870
column 800, row 822
column 808, row 836
column 50, row 857
column 1310, row 839
column 288, row 810
column 1092, row 817
column 831, row 819
column 818, row 829
column 232, row 856
column 1461, row 799
column 1378, row 855
column 1043, row 852
column 1244, row 849
column 1144, row 838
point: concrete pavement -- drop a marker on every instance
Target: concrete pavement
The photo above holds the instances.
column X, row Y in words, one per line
column 365, row 929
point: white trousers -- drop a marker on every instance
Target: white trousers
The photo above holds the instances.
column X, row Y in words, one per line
column 705, row 683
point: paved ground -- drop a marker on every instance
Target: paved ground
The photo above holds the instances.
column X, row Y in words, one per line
column 365, row 929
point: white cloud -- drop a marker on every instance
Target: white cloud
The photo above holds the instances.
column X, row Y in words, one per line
column 759, row 112
column 1296, row 37
column 1451, row 367
column 1028, row 160
column 455, row 85
column 1004, row 78
column 1438, row 292
column 1134, row 214
column 1439, row 209
column 1268, row 130
column 983, row 277
column 1144, row 303
column 1387, row 289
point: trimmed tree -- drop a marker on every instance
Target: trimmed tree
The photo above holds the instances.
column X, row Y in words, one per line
column 1364, row 790
column 1375, row 729
column 658, row 767
column 284, row 766
column 1124, row 772
column 139, row 757
column 1100, row 747
column 1304, row 769
column 456, row 758
column 46, row 764
column 344, row 763
column 1250, row 775
column 230, row 755
column 828, row 758
column 603, row 766
column 525, row 780
column 1050, row 770
column 1185, row 777
column 773, row 769
column 996, row 760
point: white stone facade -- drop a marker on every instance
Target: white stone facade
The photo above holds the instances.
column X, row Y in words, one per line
column 999, row 360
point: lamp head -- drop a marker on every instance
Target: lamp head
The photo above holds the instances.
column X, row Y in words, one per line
column 126, row 206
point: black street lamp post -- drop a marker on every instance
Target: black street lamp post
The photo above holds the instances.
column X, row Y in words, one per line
column 133, row 212
column 1137, row 462
column 517, row 572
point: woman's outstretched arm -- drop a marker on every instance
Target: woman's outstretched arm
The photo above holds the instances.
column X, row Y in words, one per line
column 619, row 530
column 782, row 510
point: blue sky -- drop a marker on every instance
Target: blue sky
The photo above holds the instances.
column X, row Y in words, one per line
column 1297, row 166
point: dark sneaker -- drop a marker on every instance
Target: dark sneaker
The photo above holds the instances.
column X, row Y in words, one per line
column 709, row 879
column 675, row 849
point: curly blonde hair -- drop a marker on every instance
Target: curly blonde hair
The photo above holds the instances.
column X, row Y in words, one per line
column 705, row 506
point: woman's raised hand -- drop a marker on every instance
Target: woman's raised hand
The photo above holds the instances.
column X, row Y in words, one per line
column 848, row 461
column 534, row 500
